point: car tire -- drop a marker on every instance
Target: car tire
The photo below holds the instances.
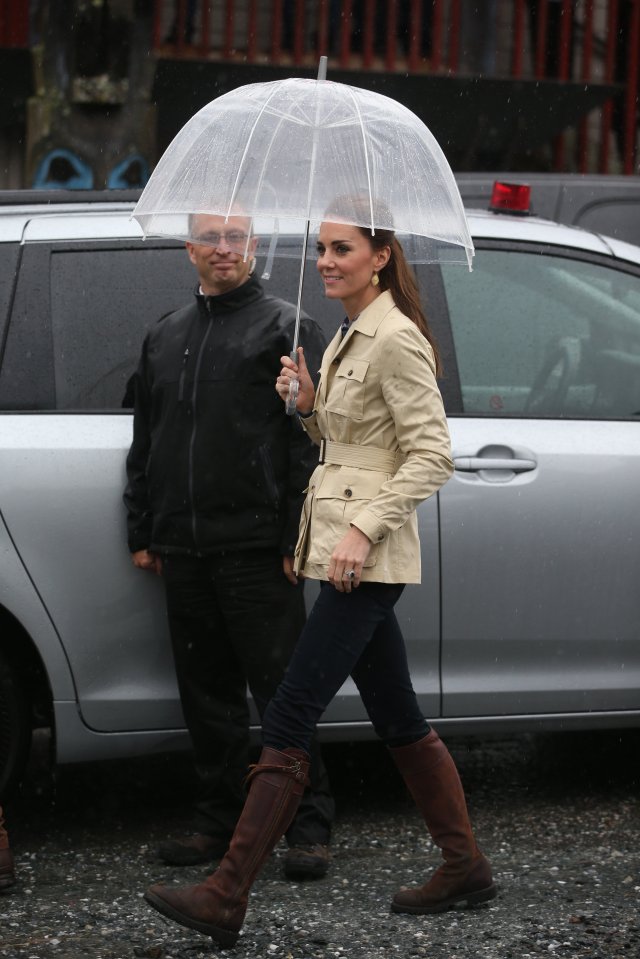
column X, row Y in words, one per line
column 15, row 728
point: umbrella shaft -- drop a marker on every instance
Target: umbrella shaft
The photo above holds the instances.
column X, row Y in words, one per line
column 322, row 75
column 305, row 244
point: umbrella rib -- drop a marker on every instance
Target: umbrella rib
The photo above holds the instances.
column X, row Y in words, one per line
column 245, row 151
column 312, row 170
column 366, row 154
column 286, row 116
column 264, row 165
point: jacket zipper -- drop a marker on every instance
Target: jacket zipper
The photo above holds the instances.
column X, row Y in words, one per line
column 269, row 474
column 192, row 442
column 183, row 373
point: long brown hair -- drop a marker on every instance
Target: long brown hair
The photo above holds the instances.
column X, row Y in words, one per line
column 398, row 277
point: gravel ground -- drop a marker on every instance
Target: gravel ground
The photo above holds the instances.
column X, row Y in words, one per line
column 557, row 814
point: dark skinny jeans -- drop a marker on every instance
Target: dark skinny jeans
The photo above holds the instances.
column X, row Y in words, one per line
column 347, row 634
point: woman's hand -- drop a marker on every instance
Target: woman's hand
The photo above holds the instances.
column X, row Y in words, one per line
column 349, row 555
column 291, row 371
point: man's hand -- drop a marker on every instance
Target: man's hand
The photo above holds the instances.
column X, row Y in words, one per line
column 145, row 559
column 349, row 555
column 287, row 566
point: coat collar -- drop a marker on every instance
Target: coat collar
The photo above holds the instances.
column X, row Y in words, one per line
column 372, row 316
column 367, row 323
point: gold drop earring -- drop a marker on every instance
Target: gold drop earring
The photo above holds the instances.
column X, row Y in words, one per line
column 375, row 279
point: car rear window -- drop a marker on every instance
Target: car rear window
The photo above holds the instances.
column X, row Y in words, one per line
column 102, row 303
column 75, row 335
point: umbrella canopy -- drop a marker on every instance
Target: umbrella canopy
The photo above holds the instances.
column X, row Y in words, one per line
column 291, row 150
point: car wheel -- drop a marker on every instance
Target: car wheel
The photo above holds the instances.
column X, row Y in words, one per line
column 15, row 727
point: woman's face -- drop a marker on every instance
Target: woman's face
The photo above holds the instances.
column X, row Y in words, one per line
column 346, row 263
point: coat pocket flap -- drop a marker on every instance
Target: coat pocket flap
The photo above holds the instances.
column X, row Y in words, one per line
column 352, row 369
column 348, row 484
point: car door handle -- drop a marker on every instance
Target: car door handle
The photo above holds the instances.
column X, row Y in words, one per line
column 475, row 464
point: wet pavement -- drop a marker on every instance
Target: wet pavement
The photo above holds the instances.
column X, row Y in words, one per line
column 558, row 814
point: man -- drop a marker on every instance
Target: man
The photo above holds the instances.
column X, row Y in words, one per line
column 7, row 876
column 216, row 473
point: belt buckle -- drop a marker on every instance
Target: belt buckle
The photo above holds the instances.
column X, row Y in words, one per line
column 323, row 446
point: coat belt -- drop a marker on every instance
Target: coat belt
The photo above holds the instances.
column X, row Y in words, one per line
column 366, row 457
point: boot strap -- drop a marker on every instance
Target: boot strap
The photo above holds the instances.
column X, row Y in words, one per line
column 295, row 770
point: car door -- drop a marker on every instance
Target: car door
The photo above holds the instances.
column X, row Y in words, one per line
column 80, row 314
column 540, row 523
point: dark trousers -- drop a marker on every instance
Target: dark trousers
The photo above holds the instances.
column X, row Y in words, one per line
column 348, row 634
column 234, row 620
column 4, row 836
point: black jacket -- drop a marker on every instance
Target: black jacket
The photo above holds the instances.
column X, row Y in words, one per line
column 215, row 462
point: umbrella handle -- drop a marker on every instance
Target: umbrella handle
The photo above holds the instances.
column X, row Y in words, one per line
column 291, row 404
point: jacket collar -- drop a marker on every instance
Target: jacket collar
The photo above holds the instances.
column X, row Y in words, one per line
column 367, row 323
column 248, row 292
column 372, row 316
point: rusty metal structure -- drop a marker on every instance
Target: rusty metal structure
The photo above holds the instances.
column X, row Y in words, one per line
column 585, row 43
column 504, row 84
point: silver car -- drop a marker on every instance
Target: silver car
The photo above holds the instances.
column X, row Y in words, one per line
column 529, row 612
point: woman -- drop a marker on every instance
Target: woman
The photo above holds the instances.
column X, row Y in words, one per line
column 7, row 877
column 384, row 448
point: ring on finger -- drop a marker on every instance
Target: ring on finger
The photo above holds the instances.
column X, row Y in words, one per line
column 349, row 574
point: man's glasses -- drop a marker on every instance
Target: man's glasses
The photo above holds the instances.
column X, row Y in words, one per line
column 235, row 240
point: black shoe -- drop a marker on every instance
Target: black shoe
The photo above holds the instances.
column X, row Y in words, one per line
column 7, row 875
column 193, row 850
column 309, row 861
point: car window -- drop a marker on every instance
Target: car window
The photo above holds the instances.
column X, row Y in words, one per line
column 8, row 265
column 26, row 376
column 102, row 303
column 74, row 342
column 537, row 334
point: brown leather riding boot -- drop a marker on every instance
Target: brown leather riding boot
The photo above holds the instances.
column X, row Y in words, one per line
column 465, row 876
column 218, row 905
column 7, row 876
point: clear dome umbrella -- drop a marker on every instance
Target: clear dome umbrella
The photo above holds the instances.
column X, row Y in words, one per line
column 289, row 153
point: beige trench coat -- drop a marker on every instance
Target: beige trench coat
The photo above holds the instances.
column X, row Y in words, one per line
column 377, row 389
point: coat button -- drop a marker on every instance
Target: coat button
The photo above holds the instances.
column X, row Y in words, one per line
column 348, row 492
column 350, row 373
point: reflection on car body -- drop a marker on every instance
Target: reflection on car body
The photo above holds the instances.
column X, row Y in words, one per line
column 529, row 612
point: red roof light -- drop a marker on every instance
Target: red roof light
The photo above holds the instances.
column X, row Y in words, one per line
column 510, row 198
